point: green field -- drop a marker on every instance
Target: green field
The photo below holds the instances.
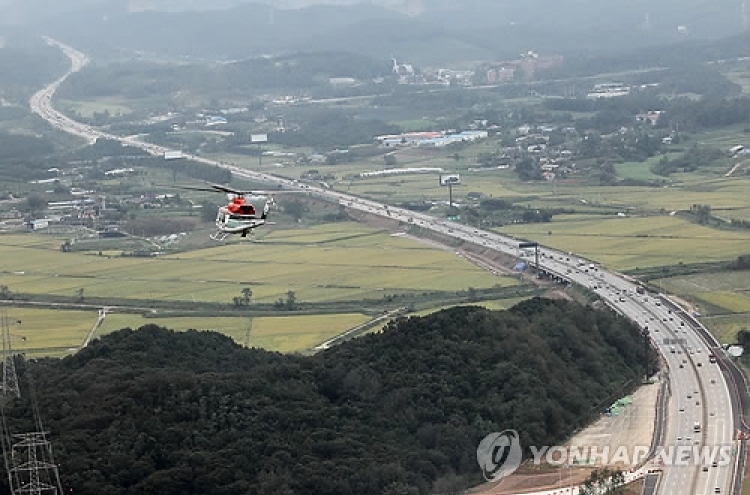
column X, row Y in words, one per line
column 48, row 331
column 331, row 262
column 705, row 186
column 59, row 332
column 722, row 297
column 725, row 327
column 326, row 263
column 283, row 334
column 725, row 137
column 635, row 242
column 639, row 170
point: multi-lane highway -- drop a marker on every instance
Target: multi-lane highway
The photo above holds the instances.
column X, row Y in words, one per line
column 700, row 411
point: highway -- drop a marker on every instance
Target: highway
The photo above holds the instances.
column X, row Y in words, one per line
column 699, row 390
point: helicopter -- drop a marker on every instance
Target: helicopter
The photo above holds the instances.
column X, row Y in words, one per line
column 239, row 216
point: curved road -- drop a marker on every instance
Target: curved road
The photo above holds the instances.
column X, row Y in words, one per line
column 701, row 410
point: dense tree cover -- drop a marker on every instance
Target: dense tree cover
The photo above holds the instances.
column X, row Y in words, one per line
column 691, row 160
column 431, row 102
column 328, row 129
column 687, row 113
column 673, row 55
column 135, row 80
column 707, row 112
column 741, row 263
column 27, row 64
column 192, row 169
column 695, row 78
column 474, row 30
column 14, row 146
column 398, row 412
column 498, row 212
column 528, row 169
column 743, row 338
column 300, row 72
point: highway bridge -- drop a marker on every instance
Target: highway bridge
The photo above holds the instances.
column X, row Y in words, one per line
column 705, row 406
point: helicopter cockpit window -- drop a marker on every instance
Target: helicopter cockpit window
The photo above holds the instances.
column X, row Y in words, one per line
column 247, row 210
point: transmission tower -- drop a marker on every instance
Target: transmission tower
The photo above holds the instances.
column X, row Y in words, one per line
column 28, row 456
column 10, row 378
column 33, row 469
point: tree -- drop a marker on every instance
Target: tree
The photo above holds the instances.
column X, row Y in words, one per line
column 291, row 300
column 5, row 292
column 80, row 294
column 528, row 169
column 702, row 213
column 247, row 294
column 35, row 203
column 389, row 159
column 603, row 482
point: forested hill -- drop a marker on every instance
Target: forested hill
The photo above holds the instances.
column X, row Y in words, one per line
column 154, row 411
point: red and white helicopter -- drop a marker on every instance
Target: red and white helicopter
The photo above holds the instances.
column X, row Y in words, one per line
column 239, row 216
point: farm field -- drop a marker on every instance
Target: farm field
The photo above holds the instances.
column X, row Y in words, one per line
column 639, row 170
column 282, row 334
column 721, row 292
column 722, row 297
column 48, row 329
column 725, row 327
column 325, row 263
column 681, row 190
column 724, row 138
column 633, row 242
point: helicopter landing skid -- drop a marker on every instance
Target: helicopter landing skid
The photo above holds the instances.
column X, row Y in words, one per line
column 219, row 236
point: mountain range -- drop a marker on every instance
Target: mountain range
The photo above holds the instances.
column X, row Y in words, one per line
column 418, row 31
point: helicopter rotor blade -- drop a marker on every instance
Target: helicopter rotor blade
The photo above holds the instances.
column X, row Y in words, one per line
column 191, row 188
column 230, row 190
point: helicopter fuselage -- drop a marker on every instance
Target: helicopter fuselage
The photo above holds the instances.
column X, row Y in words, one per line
column 235, row 223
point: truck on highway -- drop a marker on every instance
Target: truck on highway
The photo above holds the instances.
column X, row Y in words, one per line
column 640, row 290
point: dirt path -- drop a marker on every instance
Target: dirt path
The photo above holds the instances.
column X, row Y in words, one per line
column 633, row 426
